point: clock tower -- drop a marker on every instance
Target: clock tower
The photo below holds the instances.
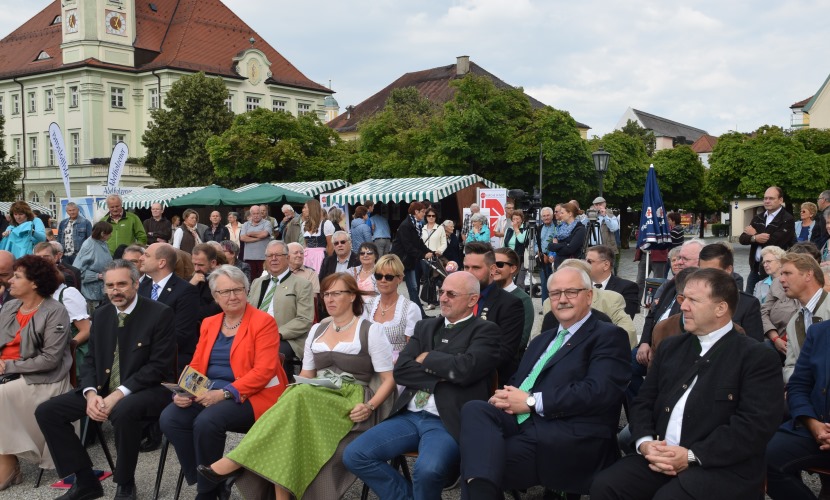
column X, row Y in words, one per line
column 98, row 29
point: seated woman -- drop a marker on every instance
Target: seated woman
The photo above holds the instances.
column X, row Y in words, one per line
column 34, row 363
column 395, row 313
column 238, row 350
column 310, row 426
column 231, row 251
column 364, row 273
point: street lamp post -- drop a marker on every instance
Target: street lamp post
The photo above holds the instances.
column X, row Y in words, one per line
column 601, row 158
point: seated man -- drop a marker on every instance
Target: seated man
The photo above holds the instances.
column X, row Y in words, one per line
column 554, row 423
column 709, row 404
column 448, row 361
column 804, row 440
column 131, row 352
column 601, row 259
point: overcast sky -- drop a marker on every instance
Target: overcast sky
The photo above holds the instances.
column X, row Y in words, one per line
column 717, row 65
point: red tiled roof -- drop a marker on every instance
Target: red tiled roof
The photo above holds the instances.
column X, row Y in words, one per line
column 433, row 84
column 191, row 35
column 705, row 144
column 801, row 104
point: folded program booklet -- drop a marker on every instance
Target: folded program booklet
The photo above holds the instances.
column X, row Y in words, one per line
column 191, row 383
column 320, row 382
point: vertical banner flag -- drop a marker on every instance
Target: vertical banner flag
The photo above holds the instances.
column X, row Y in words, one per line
column 56, row 138
column 119, row 158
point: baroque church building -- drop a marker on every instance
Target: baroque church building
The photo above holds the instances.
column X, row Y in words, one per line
column 98, row 67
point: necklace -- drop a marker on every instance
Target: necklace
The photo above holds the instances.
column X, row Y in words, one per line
column 30, row 311
column 338, row 329
column 383, row 310
column 229, row 327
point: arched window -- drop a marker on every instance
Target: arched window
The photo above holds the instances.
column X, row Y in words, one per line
column 34, row 198
column 53, row 202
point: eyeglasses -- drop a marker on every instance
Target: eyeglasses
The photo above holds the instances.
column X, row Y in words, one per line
column 367, row 253
column 227, row 292
column 570, row 293
column 450, row 294
column 343, row 242
column 431, row 216
column 500, row 264
column 387, row 277
column 272, row 255
column 335, row 294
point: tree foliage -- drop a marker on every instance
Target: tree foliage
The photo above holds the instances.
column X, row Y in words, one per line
column 627, row 168
column 194, row 110
column 645, row 135
column 10, row 172
column 745, row 165
column 681, row 176
column 267, row 146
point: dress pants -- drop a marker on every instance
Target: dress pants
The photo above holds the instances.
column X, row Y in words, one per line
column 411, row 280
column 544, row 273
column 494, row 447
column 631, row 479
column 55, row 418
column 787, row 455
column 198, row 434
column 367, row 456
column 753, row 278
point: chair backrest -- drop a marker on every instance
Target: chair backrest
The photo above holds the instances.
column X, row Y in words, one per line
column 73, row 372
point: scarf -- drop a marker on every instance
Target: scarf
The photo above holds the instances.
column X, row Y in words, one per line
column 416, row 224
column 565, row 230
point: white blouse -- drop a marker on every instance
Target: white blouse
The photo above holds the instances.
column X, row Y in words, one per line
column 380, row 350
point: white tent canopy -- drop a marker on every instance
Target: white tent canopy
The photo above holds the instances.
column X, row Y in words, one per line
column 310, row 188
column 406, row 190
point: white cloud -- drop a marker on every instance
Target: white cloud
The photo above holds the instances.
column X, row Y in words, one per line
column 711, row 64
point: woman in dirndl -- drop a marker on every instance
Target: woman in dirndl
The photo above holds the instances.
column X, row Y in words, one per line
column 295, row 448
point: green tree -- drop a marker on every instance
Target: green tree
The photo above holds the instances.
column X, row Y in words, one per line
column 10, row 172
column 264, row 146
column 194, row 110
column 814, row 139
column 645, row 135
column 745, row 165
column 681, row 176
column 627, row 168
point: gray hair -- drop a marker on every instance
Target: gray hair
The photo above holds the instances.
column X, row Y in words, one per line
column 281, row 243
column 114, row 197
column 479, row 218
column 448, row 222
column 673, row 253
column 473, row 206
column 694, row 241
column 134, row 248
column 232, row 272
column 287, row 207
column 122, row 264
column 230, row 246
column 294, row 245
column 57, row 246
column 581, row 266
column 825, row 195
column 342, row 233
column 776, row 252
column 546, row 209
column 71, row 204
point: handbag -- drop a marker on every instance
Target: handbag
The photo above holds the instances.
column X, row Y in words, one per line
column 9, row 377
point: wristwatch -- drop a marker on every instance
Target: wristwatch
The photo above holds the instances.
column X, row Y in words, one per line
column 531, row 402
column 692, row 458
column 228, row 394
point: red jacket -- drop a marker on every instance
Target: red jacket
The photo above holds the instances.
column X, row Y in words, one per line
column 255, row 357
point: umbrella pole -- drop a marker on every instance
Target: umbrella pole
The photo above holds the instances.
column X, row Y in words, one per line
column 648, row 261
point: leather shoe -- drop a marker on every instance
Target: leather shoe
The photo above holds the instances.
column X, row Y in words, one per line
column 86, row 493
column 125, row 492
column 15, row 478
column 151, row 440
column 206, row 472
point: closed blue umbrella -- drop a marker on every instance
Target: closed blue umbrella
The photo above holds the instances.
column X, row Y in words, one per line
column 654, row 228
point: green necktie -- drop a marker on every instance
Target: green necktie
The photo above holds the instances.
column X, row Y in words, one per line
column 266, row 301
column 115, row 371
column 537, row 369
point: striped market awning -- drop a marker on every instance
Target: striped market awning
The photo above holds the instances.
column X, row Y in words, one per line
column 310, row 188
column 144, row 198
column 406, row 190
column 6, row 205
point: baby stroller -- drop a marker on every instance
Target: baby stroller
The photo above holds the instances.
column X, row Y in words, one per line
column 433, row 277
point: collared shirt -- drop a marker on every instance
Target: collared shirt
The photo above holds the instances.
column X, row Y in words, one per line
column 809, row 307
column 604, row 282
column 510, row 287
column 547, row 234
column 540, row 406
column 162, row 282
column 271, row 284
column 768, row 218
column 380, row 227
column 675, row 425
column 128, row 310
column 342, row 265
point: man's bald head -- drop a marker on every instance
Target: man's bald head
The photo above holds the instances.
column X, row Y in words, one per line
column 460, row 295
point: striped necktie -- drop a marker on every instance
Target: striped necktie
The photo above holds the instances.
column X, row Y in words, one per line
column 154, row 293
column 266, row 301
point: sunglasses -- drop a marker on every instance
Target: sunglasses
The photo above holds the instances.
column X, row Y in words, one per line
column 339, row 242
column 367, row 253
column 431, row 216
column 387, row 277
column 500, row 265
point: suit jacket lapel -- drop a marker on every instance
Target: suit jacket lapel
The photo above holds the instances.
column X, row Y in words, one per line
column 243, row 329
column 167, row 290
column 568, row 346
column 534, row 352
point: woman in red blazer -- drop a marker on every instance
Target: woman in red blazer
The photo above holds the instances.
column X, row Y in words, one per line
column 238, row 350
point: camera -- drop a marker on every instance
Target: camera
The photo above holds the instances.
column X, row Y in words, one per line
column 530, row 205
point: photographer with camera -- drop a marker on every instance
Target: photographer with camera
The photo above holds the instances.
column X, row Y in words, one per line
column 609, row 224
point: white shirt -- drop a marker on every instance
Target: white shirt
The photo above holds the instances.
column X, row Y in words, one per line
column 767, row 220
column 161, row 283
column 73, row 301
column 380, row 350
column 675, row 424
column 809, row 307
column 604, row 283
column 540, row 408
column 271, row 284
column 342, row 266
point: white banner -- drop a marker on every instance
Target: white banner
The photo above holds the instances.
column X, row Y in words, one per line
column 119, row 158
column 56, row 138
column 494, row 200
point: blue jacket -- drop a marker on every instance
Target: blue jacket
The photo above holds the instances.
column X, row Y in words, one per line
column 361, row 233
column 81, row 230
column 806, row 394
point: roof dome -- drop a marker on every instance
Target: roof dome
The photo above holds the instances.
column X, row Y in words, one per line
column 329, row 101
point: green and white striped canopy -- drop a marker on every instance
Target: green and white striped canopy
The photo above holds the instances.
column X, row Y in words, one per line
column 144, row 198
column 405, row 190
column 310, row 188
column 6, row 205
